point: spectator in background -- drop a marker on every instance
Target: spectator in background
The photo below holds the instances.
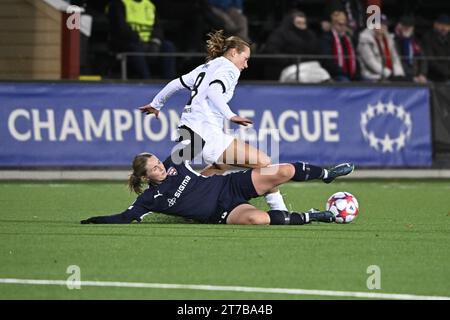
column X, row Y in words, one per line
column 410, row 51
column 337, row 43
column 135, row 28
column 437, row 44
column 378, row 56
column 291, row 37
column 230, row 13
column 355, row 11
column 356, row 15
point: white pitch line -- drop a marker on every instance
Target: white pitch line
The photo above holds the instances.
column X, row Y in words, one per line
column 370, row 295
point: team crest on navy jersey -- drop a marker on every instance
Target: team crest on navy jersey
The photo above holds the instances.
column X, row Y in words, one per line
column 172, row 171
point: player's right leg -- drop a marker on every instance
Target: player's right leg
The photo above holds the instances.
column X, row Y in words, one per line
column 263, row 182
column 244, row 155
column 342, row 169
column 299, row 171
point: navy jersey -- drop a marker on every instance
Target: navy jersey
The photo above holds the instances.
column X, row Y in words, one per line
column 187, row 194
column 183, row 193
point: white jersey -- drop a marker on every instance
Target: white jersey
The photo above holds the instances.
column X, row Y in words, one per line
column 200, row 113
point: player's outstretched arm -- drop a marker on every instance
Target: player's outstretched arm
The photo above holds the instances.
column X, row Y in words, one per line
column 149, row 109
column 133, row 213
column 161, row 98
column 113, row 219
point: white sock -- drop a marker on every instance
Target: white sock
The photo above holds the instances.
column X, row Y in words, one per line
column 325, row 173
column 306, row 217
column 275, row 201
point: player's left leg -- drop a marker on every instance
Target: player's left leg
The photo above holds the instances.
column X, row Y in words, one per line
column 237, row 154
column 248, row 214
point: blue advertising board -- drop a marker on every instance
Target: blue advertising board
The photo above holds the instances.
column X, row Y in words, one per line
column 79, row 124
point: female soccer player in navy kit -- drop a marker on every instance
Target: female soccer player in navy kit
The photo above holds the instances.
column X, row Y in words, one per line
column 176, row 189
column 212, row 86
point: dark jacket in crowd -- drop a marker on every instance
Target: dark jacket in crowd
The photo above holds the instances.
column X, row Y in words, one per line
column 412, row 62
column 436, row 45
column 287, row 39
column 330, row 64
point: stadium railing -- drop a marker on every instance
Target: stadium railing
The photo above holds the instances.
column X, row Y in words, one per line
column 298, row 58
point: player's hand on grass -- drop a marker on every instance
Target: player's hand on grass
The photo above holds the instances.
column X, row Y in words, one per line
column 148, row 109
column 241, row 120
column 91, row 220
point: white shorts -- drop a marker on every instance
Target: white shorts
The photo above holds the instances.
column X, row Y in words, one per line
column 215, row 142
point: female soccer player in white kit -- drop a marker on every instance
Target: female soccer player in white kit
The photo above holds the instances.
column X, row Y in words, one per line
column 212, row 85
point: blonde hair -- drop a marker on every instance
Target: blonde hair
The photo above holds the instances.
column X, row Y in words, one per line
column 217, row 44
column 139, row 170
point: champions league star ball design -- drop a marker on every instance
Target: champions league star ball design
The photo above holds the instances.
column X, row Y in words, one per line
column 344, row 206
column 385, row 142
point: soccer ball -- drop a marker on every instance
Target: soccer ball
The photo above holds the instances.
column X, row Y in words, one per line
column 344, row 206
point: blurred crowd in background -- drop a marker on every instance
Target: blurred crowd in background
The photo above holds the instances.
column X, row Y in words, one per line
column 330, row 38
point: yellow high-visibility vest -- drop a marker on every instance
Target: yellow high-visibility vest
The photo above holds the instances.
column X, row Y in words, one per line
column 141, row 17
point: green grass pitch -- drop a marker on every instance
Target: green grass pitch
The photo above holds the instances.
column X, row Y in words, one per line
column 403, row 227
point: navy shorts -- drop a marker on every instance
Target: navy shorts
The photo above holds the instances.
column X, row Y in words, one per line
column 238, row 189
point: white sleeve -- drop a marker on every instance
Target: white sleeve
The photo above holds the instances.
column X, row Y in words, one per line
column 214, row 94
column 188, row 79
column 226, row 78
column 161, row 98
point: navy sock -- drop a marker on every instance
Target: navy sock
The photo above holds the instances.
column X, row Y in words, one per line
column 278, row 217
column 298, row 218
column 305, row 172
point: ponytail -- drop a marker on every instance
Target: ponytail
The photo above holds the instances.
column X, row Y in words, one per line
column 215, row 45
column 135, row 184
column 139, row 170
column 218, row 44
